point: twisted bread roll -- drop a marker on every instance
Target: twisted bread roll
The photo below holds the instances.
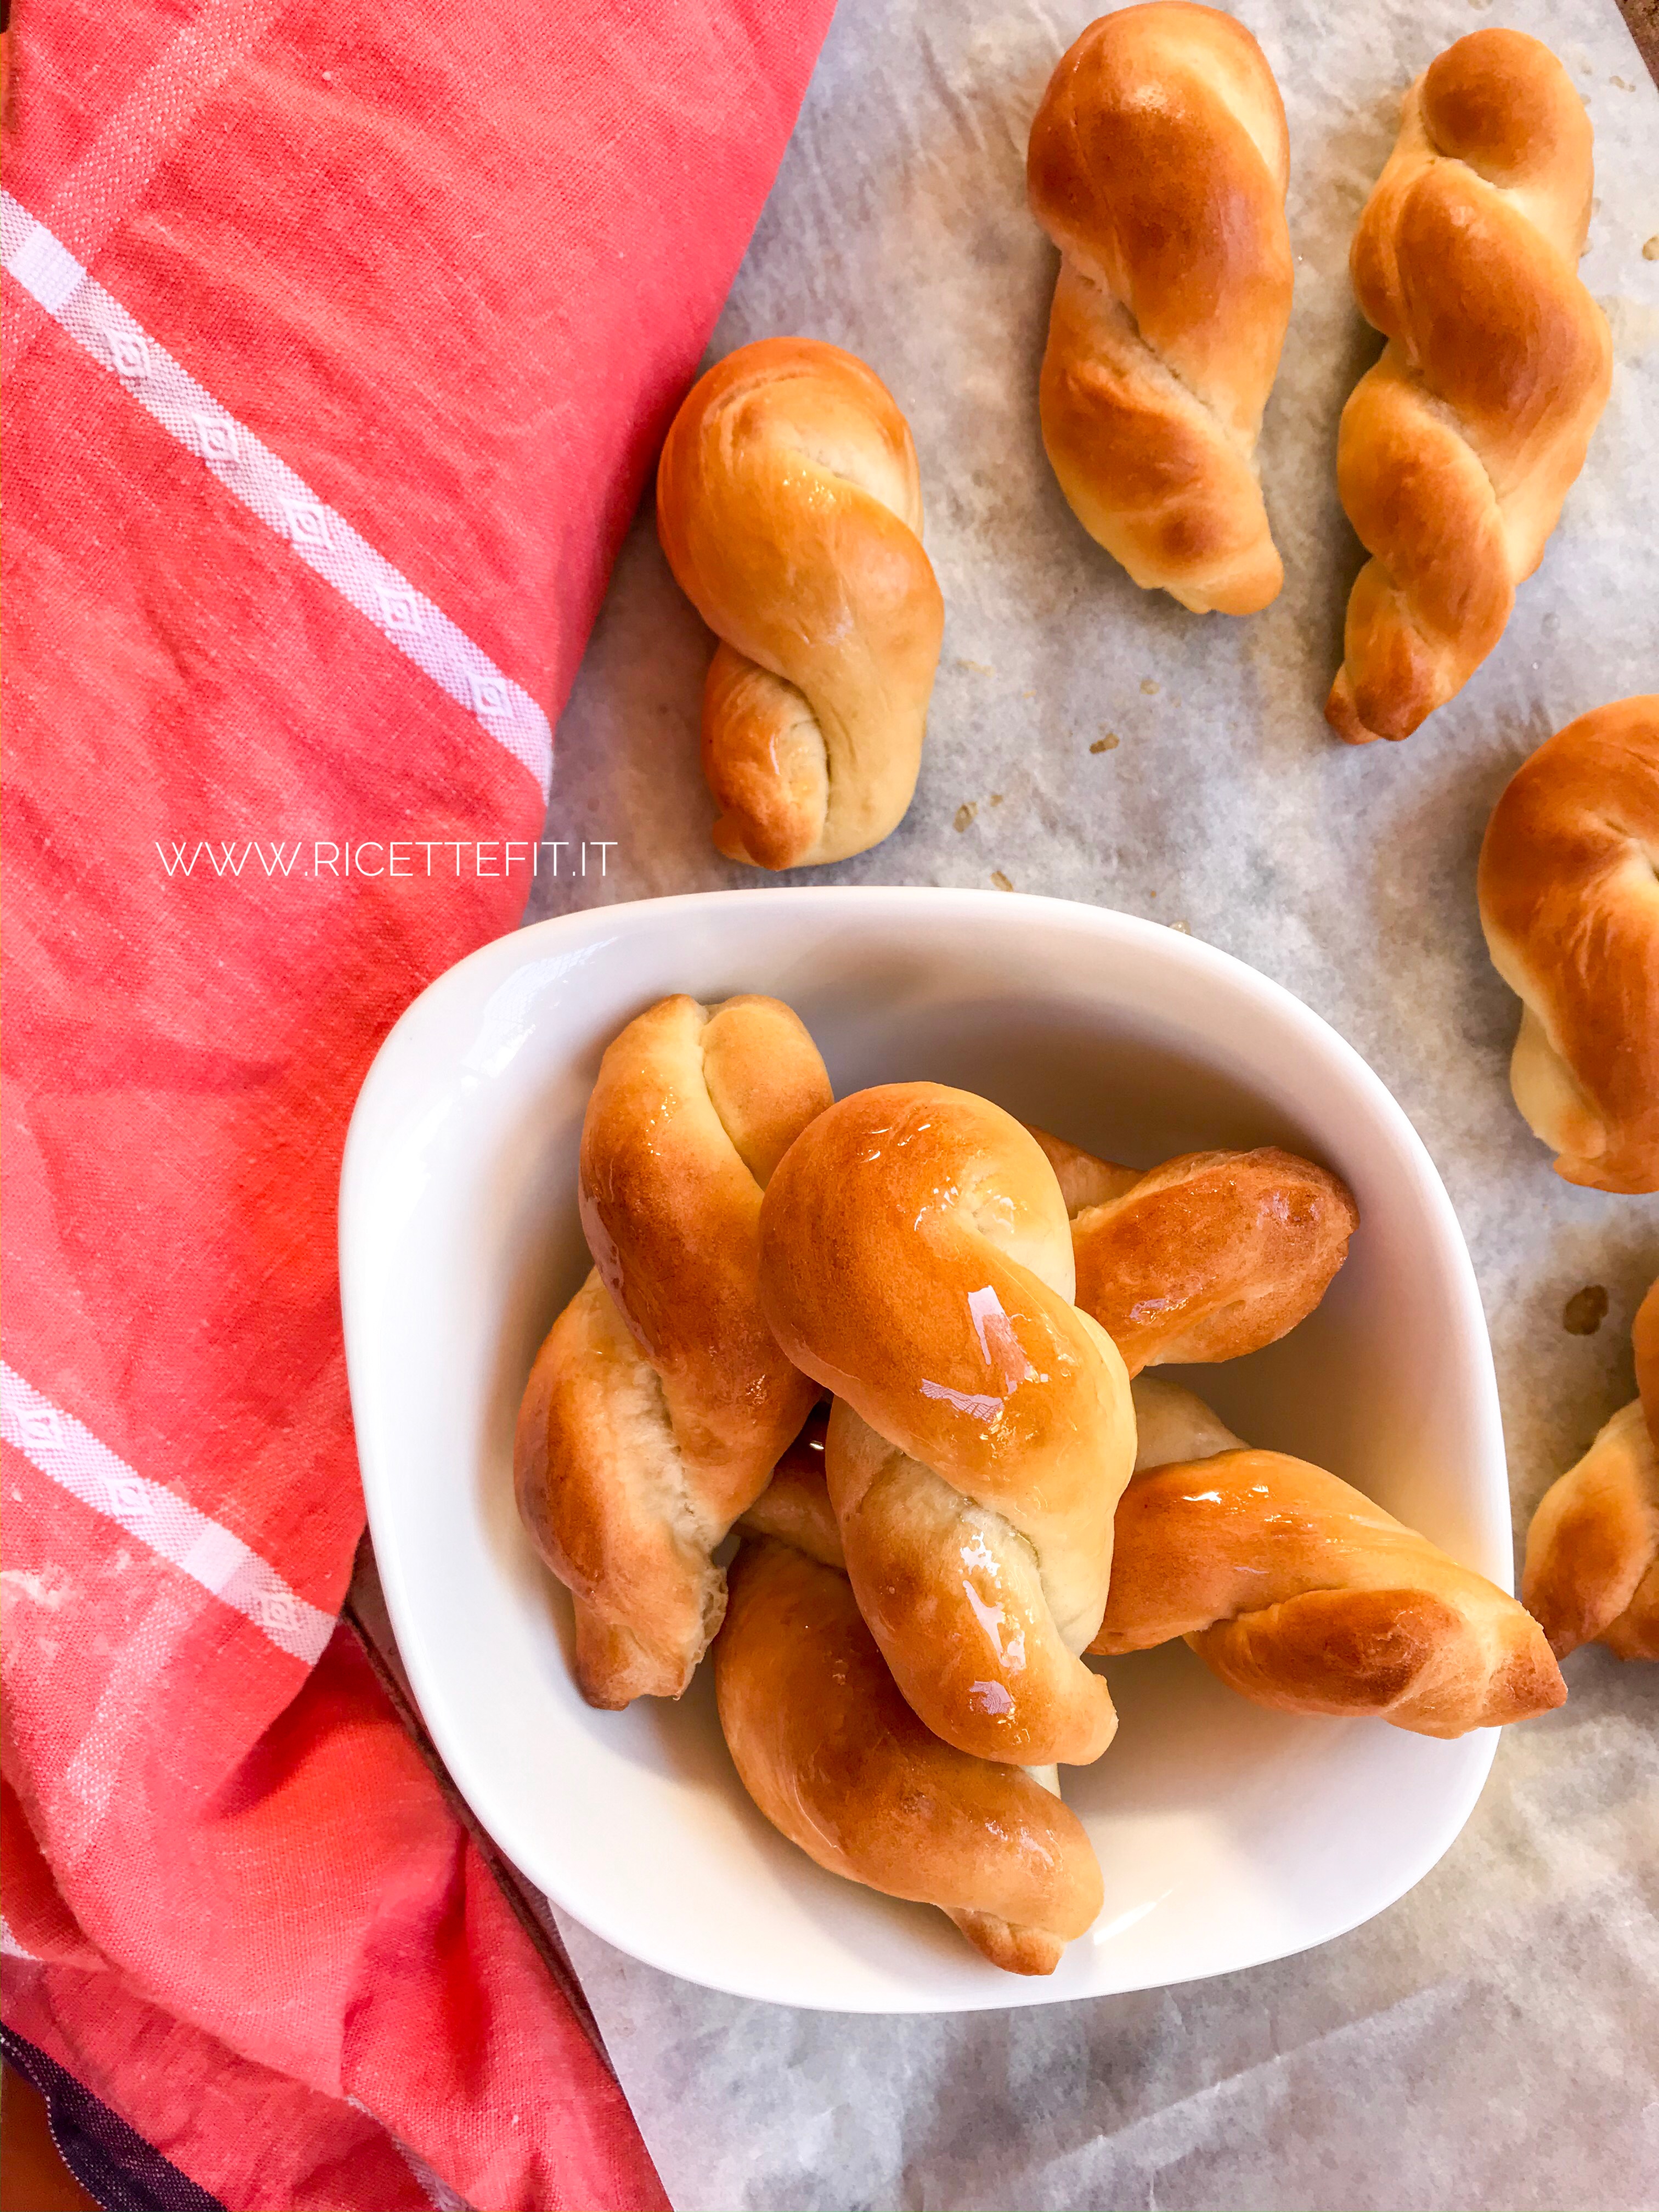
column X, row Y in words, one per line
column 789, row 506
column 1211, row 1255
column 1157, row 164
column 1592, row 1569
column 659, row 1403
column 916, row 1260
column 838, row 1763
column 1457, row 449
column 1570, row 903
column 1300, row 1594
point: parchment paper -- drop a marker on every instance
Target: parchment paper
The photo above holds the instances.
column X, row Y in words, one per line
column 1492, row 2041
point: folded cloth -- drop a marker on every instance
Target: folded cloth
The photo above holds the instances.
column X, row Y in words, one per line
column 336, row 344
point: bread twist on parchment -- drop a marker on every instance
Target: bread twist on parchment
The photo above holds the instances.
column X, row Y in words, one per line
column 660, row 1402
column 1157, row 164
column 839, row 1764
column 1300, row 1593
column 1208, row 1257
column 916, row 1261
column 1592, row 1570
column 1569, row 889
column 789, row 506
column 1457, row 450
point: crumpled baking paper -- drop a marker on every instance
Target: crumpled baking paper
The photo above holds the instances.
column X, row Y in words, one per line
column 1491, row 2041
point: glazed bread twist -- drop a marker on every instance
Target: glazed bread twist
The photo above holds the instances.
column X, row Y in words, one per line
column 789, row 506
column 1569, row 887
column 1300, row 1593
column 1157, row 164
column 1592, row 1569
column 1457, row 449
column 916, row 1261
column 1208, row 1257
column 838, row 1763
column 659, row 1404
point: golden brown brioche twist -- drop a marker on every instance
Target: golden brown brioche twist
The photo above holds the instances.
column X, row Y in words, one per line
column 789, row 506
column 1592, row 1570
column 1211, row 1255
column 838, row 1763
column 659, row 1403
column 1300, row 1594
column 1157, row 164
column 916, row 1261
column 1457, row 449
column 1570, row 903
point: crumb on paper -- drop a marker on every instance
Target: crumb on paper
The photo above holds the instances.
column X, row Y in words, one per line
column 1148, row 686
column 996, row 798
column 1621, row 84
column 1108, row 743
column 978, row 667
column 1650, row 251
column 1184, row 927
column 1000, row 880
column 965, row 812
column 1027, row 694
column 1585, row 1311
column 1152, row 894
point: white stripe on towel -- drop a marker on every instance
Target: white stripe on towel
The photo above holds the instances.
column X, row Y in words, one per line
column 324, row 539
column 71, row 1456
column 9, row 1946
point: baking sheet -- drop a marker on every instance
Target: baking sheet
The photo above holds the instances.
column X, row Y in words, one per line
column 1490, row 2040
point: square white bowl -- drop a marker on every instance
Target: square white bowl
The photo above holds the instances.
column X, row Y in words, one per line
column 1227, row 1834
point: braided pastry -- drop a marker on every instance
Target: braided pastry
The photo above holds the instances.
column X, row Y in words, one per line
column 789, row 506
column 916, row 1260
column 839, row 1764
column 1457, row 449
column 659, row 1404
column 1211, row 1255
column 1570, row 908
column 1592, row 1570
column 1300, row 1593
column 1157, row 164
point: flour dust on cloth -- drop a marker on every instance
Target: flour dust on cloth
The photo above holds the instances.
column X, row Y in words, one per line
column 314, row 479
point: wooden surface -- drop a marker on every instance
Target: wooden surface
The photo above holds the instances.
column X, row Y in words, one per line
column 1642, row 16
column 32, row 2178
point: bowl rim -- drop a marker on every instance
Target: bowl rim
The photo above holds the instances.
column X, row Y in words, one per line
column 471, row 978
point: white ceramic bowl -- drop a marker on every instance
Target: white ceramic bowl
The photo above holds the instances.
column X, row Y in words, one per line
column 1227, row 1834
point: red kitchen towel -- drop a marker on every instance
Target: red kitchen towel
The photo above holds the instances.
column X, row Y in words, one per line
column 337, row 339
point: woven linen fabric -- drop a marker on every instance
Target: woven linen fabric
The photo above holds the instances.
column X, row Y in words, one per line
column 338, row 341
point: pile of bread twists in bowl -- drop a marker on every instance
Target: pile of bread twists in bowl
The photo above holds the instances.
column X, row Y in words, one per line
column 901, row 1345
